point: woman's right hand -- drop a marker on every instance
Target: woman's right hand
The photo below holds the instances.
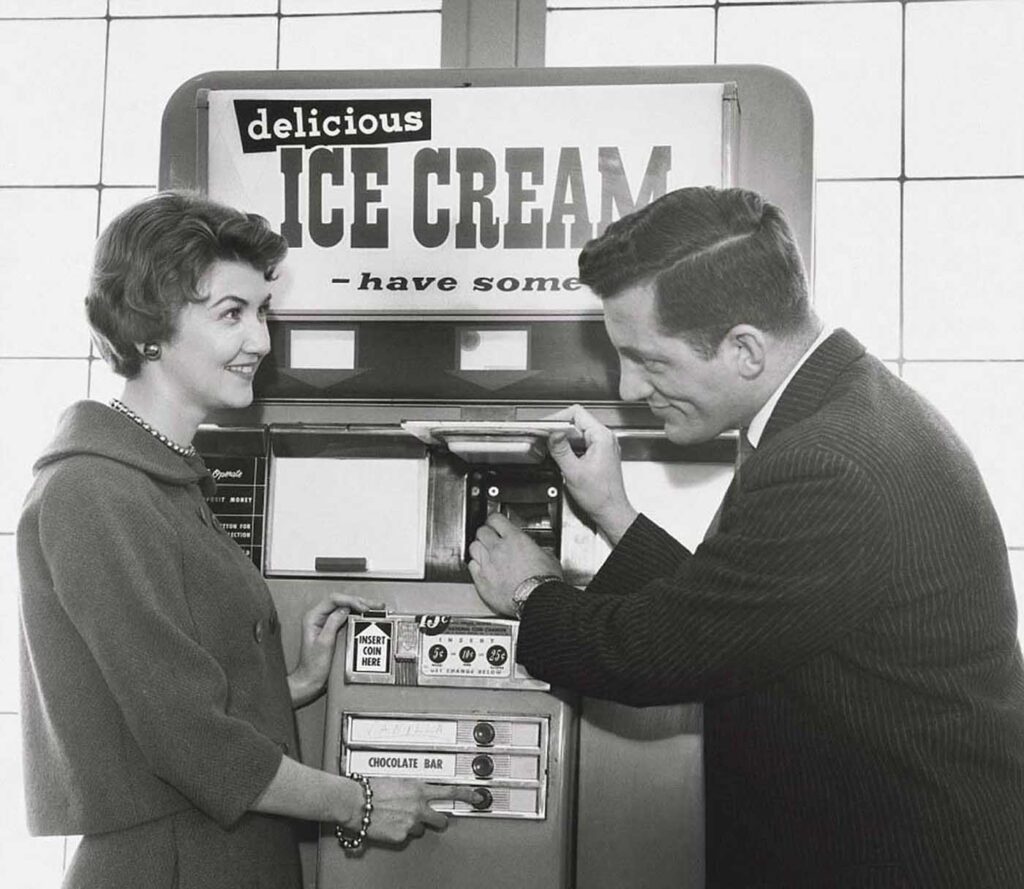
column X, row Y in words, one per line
column 401, row 808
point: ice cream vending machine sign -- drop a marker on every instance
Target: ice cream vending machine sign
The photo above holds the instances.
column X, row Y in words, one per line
column 434, row 199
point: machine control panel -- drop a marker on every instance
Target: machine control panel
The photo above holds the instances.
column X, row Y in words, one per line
column 435, row 649
column 529, row 496
column 504, row 756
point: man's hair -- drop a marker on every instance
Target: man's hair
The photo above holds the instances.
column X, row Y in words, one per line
column 716, row 258
column 149, row 262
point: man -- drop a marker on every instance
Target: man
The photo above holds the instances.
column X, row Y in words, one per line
column 848, row 622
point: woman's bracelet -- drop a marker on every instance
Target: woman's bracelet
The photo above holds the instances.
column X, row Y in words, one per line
column 351, row 842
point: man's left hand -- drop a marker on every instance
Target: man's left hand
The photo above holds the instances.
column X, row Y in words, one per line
column 501, row 557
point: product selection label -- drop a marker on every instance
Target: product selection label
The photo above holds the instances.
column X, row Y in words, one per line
column 402, row 763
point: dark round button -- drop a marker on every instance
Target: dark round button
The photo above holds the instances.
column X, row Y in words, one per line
column 467, row 654
column 483, row 766
column 483, row 734
column 437, row 653
column 484, row 799
column 497, row 655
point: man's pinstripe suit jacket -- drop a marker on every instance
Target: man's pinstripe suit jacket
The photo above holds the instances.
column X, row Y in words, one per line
column 851, row 631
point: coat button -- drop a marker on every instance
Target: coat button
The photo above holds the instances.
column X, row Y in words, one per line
column 257, row 631
column 285, row 748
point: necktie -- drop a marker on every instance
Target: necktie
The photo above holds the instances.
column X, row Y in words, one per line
column 744, row 449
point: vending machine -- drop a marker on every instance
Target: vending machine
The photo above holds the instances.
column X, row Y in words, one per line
column 426, row 326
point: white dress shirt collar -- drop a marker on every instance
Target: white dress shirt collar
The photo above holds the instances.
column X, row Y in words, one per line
column 757, row 426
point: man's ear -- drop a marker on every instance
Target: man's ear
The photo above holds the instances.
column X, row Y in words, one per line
column 746, row 348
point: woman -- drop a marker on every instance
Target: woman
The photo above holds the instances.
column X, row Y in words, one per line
column 156, row 709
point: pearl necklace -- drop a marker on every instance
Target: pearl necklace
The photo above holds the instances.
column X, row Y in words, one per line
column 190, row 451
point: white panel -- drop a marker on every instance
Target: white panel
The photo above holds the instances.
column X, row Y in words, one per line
column 367, row 730
column 681, row 497
column 364, row 508
column 847, row 57
column 523, row 768
column 857, row 261
column 45, row 276
column 33, row 394
column 149, row 60
column 965, row 64
column 9, row 585
column 28, row 862
column 494, row 349
column 324, row 349
column 191, row 7
column 398, row 40
column 301, row 7
column 525, row 734
column 982, row 402
column 963, row 268
column 51, row 91
column 48, row 9
column 630, row 37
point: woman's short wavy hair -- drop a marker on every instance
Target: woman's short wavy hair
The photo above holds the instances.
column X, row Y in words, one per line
column 716, row 257
column 149, row 262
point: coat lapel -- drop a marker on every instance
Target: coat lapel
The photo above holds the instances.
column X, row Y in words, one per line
column 810, row 386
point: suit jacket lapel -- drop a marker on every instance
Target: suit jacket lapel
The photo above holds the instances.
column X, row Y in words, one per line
column 804, row 395
column 809, row 388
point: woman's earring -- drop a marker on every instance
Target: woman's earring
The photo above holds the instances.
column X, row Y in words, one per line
column 151, row 351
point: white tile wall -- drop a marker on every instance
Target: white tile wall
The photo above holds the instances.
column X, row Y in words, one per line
column 52, row 8
column 322, row 7
column 114, row 200
column 28, row 863
column 191, row 7
column 45, row 277
column 628, row 4
column 398, row 40
column 33, row 394
column 104, row 384
column 963, row 269
column 8, row 626
column 52, row 95
column 847, row 57
column 857, row 261
column 148, row 60
column 982, row 401
column 630, row 37
column 965, row 64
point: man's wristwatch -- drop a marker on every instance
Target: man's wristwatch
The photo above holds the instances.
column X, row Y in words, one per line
column 522, row 592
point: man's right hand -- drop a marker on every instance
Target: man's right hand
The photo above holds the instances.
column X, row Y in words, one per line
column 594, row 479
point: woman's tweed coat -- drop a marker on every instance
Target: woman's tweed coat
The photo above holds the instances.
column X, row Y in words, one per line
column 155, row 703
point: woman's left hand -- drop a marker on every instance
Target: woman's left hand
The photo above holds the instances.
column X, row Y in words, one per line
column 320, row 627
